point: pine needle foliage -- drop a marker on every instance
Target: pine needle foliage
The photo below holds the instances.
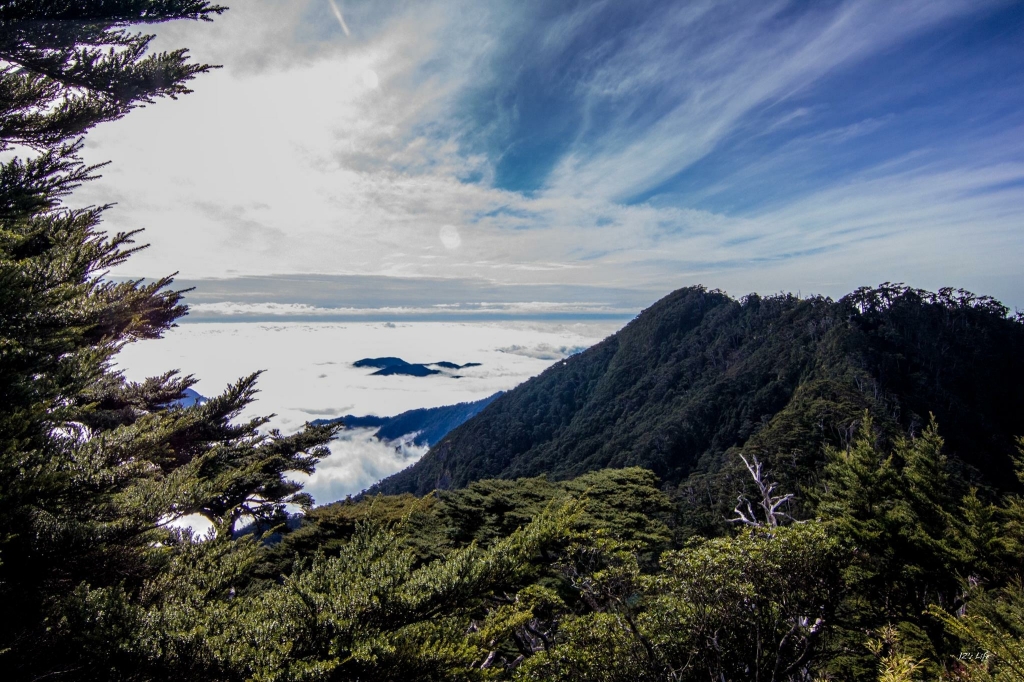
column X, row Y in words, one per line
column 755, row 606
column 67, row 66
column 992, row 633
column 93, row 467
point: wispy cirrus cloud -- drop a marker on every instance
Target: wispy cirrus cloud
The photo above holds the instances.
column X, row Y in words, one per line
column 747, row 145
column 706, row 67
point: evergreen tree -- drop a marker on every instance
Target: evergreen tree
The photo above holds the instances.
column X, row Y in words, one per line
column 92, row 467
column 992, row 633
column 70, row 65
column 1012, row 535
column 991, row 626
column 755, row 606
column 916, row 535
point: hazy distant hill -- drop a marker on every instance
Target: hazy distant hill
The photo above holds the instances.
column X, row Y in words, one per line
column 424, row 426
column 699, row 375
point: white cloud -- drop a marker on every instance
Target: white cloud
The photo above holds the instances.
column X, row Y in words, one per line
column 309, row 364
column 543, row 351
column 200, row 526
column 357, row 461
column 754, row 57
column 313, row 151
column 231, row 310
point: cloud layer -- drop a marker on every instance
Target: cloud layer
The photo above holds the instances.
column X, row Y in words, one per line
column 309, row 374
column 357, row 461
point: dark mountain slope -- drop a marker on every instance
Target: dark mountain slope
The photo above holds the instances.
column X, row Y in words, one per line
column 699, row 374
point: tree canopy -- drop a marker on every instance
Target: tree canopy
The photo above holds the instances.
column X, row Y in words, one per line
column 93, row 467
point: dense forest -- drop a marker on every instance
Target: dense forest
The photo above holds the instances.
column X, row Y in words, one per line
column 766, row 489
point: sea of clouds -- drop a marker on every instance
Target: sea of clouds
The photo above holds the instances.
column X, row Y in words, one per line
column 308, row 374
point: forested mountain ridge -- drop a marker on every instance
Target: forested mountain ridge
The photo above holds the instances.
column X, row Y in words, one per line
column 699, row 374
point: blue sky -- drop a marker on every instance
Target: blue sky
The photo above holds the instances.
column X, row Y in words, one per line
column 775, row 124
column 581, row 148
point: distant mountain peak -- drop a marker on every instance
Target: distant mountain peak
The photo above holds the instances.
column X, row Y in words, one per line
column 189, row 398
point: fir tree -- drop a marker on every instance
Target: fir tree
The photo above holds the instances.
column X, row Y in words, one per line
column 916, row 535
column 92, row 467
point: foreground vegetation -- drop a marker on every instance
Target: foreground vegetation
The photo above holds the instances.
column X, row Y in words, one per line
column 903, row 572
column 880, row 557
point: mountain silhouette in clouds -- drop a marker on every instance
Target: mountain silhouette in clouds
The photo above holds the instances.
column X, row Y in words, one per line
column 393, row 366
